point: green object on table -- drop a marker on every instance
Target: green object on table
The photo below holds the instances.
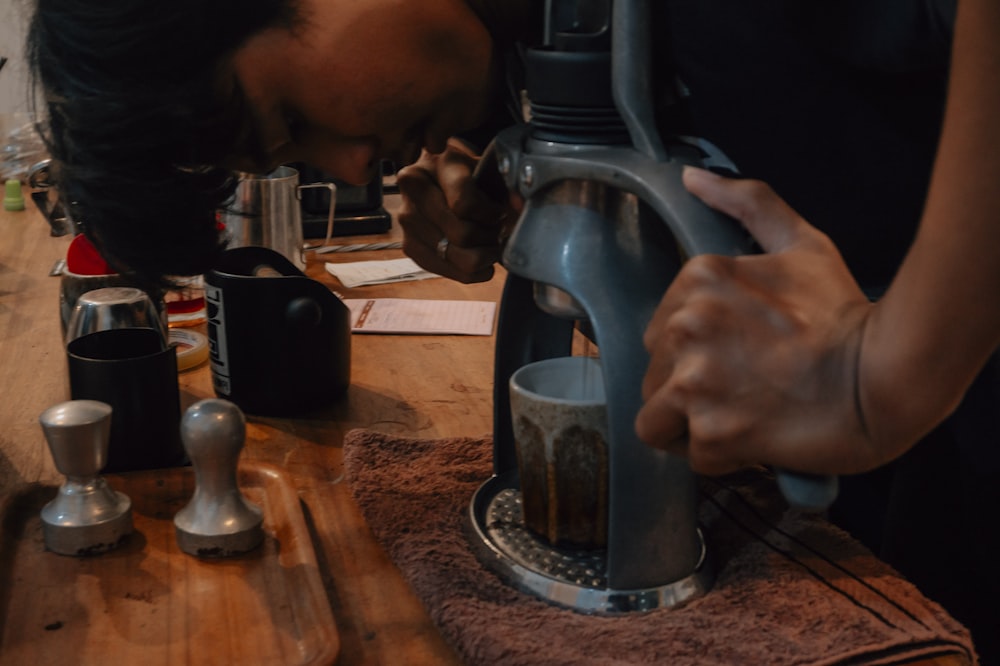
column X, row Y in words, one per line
column 13, row 199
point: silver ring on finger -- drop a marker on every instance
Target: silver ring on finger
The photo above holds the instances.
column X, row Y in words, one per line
column 442, row 248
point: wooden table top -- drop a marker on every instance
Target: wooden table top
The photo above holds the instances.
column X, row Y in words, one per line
column 413, row 385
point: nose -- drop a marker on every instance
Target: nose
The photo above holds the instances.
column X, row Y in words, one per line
column 354, row 162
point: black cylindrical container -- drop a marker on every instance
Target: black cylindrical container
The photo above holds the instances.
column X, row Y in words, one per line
column 129, row 369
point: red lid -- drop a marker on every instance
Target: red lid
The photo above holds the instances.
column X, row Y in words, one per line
column 83, row 258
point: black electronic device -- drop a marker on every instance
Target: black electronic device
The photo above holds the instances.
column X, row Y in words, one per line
column 358, row 208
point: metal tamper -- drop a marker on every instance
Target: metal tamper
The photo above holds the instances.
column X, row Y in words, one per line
column 87, row 517
column 218, row 521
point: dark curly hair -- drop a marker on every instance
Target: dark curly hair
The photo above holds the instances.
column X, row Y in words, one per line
column 132, row 116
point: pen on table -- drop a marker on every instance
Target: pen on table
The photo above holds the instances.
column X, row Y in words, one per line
column 357, row 247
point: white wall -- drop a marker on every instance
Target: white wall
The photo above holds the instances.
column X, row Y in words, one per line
column 14, row 75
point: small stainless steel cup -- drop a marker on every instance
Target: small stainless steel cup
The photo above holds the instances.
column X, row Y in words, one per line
column 114, row 307
column 74, row 285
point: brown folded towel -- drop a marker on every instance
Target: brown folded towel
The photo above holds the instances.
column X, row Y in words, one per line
column 790, row 588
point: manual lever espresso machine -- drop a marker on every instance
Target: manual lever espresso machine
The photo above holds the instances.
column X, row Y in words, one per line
column 606, row 226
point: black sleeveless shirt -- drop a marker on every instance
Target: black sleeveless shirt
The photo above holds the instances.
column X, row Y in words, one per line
column 837, row 105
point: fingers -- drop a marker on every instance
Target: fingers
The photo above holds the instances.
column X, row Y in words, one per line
column 680, row 417
column 450, row 205
column 771, row 221
column 671, row 381
column 661, row 427
column 441, row 256
column 688, row 372
column 465, row 195
column 442, row 201
column 671, row 419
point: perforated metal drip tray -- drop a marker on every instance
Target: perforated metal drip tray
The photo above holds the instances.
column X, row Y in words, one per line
column 575, row 579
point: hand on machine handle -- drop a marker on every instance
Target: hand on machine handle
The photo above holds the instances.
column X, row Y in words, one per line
column 754, row 358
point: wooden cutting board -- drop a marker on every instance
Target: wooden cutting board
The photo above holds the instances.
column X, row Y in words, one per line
column 149, row 603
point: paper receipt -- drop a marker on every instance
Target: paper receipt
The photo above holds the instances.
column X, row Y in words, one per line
column 358, row 273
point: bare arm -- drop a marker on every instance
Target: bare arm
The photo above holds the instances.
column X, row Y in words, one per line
column 940, row 319
column 779, row 359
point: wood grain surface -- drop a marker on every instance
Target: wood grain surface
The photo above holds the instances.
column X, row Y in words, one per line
column 427, row 386
column 412, row 385
column 148, row 602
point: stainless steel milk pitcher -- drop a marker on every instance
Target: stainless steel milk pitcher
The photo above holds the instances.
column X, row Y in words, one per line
column 265, row 211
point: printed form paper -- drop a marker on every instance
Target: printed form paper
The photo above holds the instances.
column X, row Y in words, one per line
column 422, row 316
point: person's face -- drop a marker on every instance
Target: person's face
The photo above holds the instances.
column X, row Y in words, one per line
column 362, row 80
